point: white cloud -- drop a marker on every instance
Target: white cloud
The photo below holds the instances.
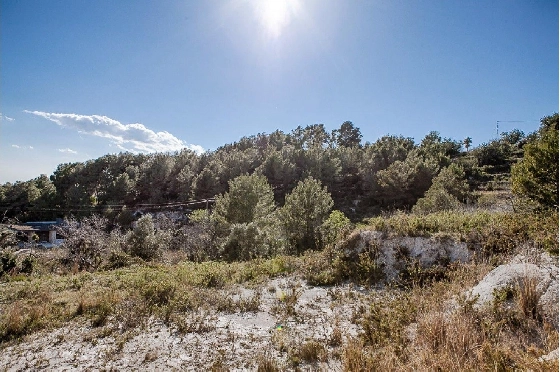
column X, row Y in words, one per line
column 22, row 147
column 140, row 138
column 70, row 151
column 4, row 117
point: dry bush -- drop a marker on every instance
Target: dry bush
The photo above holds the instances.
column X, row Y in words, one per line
column 358, row 357
column 20, row 319
column 335, row 338
column 495, row 233
column 384, row 322
column 287, row 300
column 97, row 305
column 267, row 364
column 194, row 322
column 447, row 341
column 312, row 351
column 436, row 328
column 527, row 297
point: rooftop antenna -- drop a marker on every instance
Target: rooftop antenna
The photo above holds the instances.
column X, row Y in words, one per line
column 509, row 121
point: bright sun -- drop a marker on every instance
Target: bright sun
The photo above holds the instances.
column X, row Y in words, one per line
column 275, row 15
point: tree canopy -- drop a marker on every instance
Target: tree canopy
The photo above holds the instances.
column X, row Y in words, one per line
column 536, row 175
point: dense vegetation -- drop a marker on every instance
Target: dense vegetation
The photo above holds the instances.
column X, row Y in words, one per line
column 362, row 178
column 288, row 205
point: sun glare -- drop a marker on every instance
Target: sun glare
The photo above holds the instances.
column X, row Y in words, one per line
column 275, row 15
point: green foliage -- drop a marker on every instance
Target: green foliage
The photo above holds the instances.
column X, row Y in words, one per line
column 199, row 238
column 117, row 259
column 436, row 199
column 536, row 175
column 246, row 215
column 391, row 173
column 249, row 199
column 244, row 242
column 439, row 150
column 489, row 233
column 28, row 264
column 335, row 228
column 199, row 216
column 143, row 241
column 303, row 213
column 448, row 188
column 7, row 262
column 467, row 142
column 403, row 182
column 452, row 180
column 348, row 135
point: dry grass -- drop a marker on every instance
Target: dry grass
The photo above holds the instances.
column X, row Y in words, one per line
column 528, row 296
column 126, row 297
column 310, row 351
column 427, row 325
column 434, row 328
column 267, row 364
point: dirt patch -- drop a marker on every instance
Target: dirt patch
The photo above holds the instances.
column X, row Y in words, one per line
column 290, row 314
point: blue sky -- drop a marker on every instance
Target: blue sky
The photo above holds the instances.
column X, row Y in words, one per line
column 80, row 78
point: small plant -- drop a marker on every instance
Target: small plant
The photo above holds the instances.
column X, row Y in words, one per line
column 310, row 351
column 249, row 304
column 288, row 299
column 335, row 339
column 194, row 322
column 150, row 356
column 117, row 259
column 7, row 263
column 267, row 364
column 528, row 296
column 158, row 292
column 355, row 358
column 385, row 321
column 28, row 264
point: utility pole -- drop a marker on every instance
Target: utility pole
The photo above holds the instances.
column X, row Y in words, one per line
column 509, row 121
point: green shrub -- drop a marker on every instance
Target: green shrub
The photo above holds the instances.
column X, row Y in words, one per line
column 245, row 242
column 143, row 241
column 117, row 259
column 28, row 264
column 335, row 228
column 435, row 200
column 7, row 262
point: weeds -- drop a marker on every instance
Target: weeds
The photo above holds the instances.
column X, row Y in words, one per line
column 528, row 296
column 495, row 233
column 194, row 322
column 310, row 351
column 267, row 364
column 423, row 324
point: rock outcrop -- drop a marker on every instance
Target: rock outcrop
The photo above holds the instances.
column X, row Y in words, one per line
column 394, row 253
column 543, row 271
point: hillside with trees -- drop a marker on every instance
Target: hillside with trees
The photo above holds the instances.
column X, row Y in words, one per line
column 281, row 251
column 363, row 179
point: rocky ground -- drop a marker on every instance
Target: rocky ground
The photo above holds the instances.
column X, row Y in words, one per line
column 289, row 324
column 290, row 315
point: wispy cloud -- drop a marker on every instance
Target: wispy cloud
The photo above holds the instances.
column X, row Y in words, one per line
column 141, row 139
column 22, row 147
column 4, row 117
column 69, row 151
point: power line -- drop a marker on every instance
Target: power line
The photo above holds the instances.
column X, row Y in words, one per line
column 82, row 208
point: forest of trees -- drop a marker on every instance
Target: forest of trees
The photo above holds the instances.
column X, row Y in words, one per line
column 273, row 193
column 363, row 179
